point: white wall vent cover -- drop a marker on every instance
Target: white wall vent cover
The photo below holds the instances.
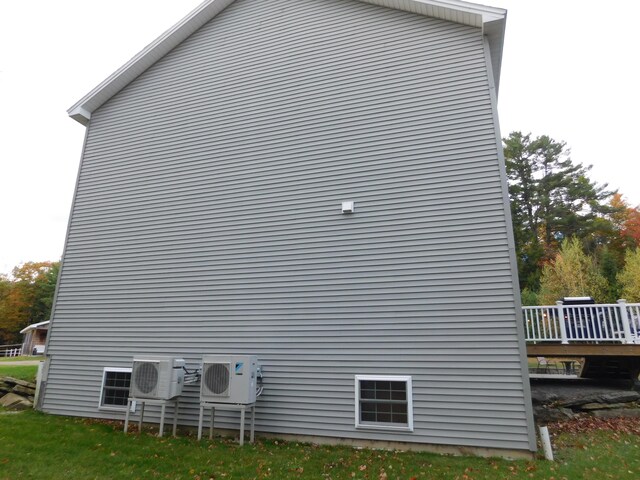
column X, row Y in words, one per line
column 156, row 377
column 229, row 379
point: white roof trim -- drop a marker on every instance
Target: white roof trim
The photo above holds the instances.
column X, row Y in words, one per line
column 490, row 19
column 33, row 326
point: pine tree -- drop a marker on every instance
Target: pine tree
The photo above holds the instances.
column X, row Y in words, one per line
column 552, row 199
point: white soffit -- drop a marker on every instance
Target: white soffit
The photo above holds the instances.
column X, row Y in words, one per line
column 490, row 19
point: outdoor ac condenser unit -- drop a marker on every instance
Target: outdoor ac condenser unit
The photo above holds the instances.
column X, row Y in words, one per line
column 229, row 379
column 157, row 377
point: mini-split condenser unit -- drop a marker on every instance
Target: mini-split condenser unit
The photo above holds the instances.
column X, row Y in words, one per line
column 156, row 377
column 229, row 379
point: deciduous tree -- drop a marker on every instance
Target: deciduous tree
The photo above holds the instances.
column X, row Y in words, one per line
column 26, row 297
column 571, row 273
column 629, row 277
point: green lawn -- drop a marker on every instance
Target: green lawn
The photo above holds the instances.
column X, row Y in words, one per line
column 21, row 372
column 35, row 445
column 18, row 359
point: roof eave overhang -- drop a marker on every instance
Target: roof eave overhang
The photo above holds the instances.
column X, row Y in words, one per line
column 490, row 20
column 35, row 326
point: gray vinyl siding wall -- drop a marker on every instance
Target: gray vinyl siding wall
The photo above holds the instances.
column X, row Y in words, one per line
column 207, row 220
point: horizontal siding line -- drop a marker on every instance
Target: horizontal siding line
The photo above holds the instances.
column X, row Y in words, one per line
column 205, row 292
column 216, row 271
column 461, row 280
column 469, row 122
column 450, row 278
column 234, row 29
column 374, row 229
column 501, row 346
column 422, row 382
column 317, row 110
column 226, row 147
column 264, row 15
column 334, row 305
column 275, row 166
column 176, row 275
column 293, row 290
column 388, row 35
column 504, row 315
column 224, row 187
column 390, row 72
column 204, row 251
column 437, row 102
column 325, row 202
column 294, row 327
column 283, row 302
column 286, row 174
column 215, row 327
column 436, row 157
column 409, row 143
column 401, row 188
column 422, row 336
column 263, row 225
column 364, row 48
column 328, row 265
column 263, row 69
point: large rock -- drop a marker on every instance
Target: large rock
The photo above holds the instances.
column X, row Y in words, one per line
column 617, row 413
column 541, row 397
column 11, row 399
column 543, row 415
column 578, row 401
column 24, row 391
column 605, row 406
column 23, row 405
column 15, row 381
column 620, row 397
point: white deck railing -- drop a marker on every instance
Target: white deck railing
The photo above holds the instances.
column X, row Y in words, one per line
column 610, row 322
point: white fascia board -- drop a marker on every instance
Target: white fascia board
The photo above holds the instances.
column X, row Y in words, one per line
column 153, row 52
column 33, row 326
column 491, row 20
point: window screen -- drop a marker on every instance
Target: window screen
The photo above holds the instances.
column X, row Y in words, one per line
column 115, row 388
column 383, row 402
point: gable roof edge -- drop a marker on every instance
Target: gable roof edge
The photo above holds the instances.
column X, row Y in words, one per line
column 81, row 110
column 490, row 19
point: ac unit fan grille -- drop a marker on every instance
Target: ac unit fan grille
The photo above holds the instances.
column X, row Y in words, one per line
column 146, row 377
column 216, row 378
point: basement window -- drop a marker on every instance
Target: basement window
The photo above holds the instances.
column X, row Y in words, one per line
column 384, row 402
column 114, row 392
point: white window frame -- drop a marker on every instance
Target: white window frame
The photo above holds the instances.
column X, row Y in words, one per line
column 105, row 370
column 382, row 426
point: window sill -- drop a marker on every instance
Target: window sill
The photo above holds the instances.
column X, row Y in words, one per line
column 114, row 408
column 387, row 428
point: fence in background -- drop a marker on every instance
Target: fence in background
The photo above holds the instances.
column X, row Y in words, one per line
column 13, row 350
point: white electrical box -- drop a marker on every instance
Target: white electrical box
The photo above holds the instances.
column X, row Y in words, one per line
column 348, row 207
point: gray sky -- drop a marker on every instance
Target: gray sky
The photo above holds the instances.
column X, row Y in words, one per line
column 569, row 70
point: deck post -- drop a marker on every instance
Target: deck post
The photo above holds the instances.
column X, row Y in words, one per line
column 563, row 327
column 624, row 316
